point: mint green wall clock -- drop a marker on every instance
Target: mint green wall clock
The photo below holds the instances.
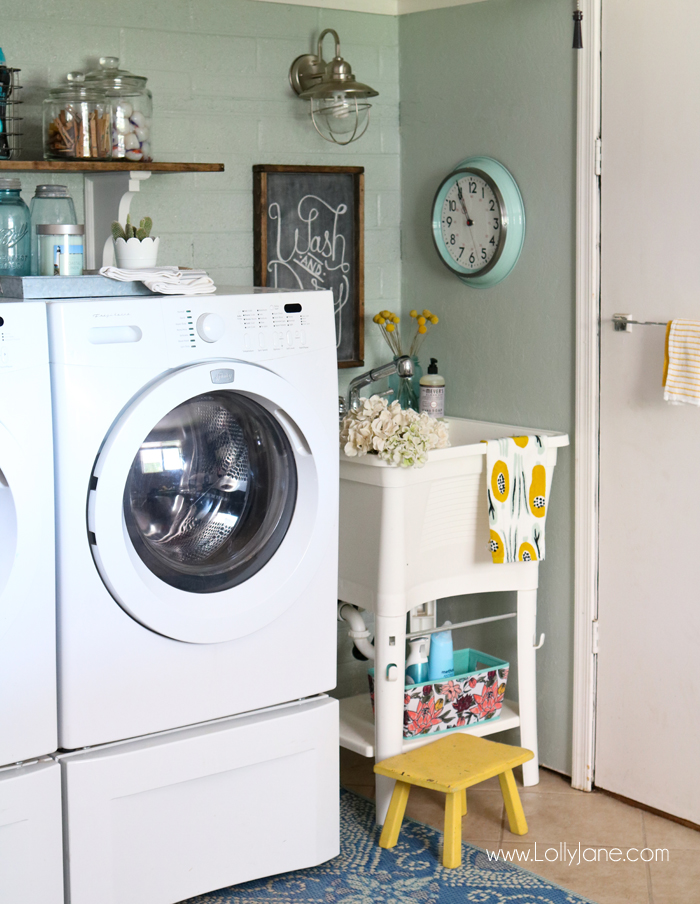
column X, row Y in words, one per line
column 479, row 222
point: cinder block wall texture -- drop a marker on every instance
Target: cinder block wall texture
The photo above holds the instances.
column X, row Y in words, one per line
column 218, row 73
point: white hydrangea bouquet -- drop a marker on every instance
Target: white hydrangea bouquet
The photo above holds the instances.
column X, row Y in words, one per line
column 399, row 436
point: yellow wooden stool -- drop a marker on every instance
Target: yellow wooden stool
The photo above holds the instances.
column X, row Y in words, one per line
column 452, row 765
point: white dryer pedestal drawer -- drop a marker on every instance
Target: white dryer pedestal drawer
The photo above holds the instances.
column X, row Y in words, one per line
column 166, row 817
column 31, row 847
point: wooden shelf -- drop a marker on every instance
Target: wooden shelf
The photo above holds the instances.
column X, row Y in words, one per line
column 107, row 166
column 357, row 725
column 109, row 187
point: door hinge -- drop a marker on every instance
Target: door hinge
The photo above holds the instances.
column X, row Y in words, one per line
column 595, row 637
column 598, row 156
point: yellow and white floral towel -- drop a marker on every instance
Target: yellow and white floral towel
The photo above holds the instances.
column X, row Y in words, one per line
column 682, row 362
column 517, row 484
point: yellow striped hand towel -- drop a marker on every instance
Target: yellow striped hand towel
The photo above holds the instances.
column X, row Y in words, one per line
column 682, row 362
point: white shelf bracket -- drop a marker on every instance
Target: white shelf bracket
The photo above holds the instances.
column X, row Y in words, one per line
column 536, row 645
column 107, row 198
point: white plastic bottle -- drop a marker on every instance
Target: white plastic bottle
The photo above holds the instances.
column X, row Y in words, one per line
column 432, row 392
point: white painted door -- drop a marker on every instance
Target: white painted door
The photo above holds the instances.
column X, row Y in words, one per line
column 648, row 727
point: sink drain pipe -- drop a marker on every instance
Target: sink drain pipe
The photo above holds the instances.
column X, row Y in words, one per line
column 358, row 630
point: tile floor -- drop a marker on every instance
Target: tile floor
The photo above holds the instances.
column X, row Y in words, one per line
column 556, row 813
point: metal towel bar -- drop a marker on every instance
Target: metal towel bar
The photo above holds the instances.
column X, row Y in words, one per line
column 463, row 624
column 623, row 323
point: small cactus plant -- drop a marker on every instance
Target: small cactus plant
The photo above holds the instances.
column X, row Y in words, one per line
column 130, row 231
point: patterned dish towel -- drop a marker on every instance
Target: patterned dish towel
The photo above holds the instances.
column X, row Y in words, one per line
column 517, row 486
column 682, row 362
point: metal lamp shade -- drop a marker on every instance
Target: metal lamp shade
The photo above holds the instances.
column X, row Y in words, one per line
column 339, row 110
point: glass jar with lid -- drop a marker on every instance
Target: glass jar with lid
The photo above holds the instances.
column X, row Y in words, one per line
column 132, row 109
column 15, row 249
column 77, row 121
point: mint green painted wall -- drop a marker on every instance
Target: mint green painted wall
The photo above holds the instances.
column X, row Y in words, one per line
column 218, row 73
column 498, row 78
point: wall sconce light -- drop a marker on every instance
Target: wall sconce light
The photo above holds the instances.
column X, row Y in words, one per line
column 339, row 110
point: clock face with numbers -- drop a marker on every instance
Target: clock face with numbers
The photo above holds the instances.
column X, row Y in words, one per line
column 479, row 221
column 474, row 223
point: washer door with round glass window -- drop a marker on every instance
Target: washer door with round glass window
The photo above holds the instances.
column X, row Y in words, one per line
column 203, row 511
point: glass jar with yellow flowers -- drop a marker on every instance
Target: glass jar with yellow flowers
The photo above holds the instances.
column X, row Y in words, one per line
column 406, row 389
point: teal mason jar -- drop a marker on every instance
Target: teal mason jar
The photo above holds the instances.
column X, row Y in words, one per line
column 15, row 236
column 407, row 389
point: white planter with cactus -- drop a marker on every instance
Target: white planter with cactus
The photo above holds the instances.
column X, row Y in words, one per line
column 134, row 249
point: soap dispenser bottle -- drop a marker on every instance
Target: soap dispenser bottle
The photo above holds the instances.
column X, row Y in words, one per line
column 432, row 392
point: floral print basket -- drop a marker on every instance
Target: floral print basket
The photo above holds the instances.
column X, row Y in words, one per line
column 475, row 694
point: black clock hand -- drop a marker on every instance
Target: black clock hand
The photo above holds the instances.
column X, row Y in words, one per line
column 469, row 220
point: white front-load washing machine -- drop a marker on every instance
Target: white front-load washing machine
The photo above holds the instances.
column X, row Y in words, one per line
column 197, row 507
column 27, row 578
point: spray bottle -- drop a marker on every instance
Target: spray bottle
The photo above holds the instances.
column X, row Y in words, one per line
column 417, row 661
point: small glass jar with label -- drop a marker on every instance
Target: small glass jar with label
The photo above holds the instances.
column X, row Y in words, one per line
column 60, row 249
column 51, row 204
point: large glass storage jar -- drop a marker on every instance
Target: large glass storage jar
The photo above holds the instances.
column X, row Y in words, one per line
column 77, row 122
column 14, row 229
column 132, row 109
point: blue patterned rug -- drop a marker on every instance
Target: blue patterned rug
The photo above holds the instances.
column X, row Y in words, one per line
column 410, row 873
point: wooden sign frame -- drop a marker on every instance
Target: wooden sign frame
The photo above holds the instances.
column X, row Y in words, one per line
column 261, row 247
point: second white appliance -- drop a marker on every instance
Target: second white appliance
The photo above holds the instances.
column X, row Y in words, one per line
column 197, row 494
column 27, row 579
column 31, row 848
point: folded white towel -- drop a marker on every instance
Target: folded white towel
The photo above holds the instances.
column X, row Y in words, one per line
column 682, row 362
column 165, row 280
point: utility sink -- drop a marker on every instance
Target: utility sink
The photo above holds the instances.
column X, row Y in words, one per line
column 408, row 535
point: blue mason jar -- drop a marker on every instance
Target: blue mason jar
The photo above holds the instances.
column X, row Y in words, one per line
column 15, row 236
column 407, row 389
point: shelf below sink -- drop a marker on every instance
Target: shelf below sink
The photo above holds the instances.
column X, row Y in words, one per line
column 357, row 726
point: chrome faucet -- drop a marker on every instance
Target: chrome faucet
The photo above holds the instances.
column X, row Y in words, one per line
column 403, row 366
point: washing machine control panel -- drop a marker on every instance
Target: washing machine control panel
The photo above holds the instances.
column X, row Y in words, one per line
column 23, row 341
column 11, row 343
column 274, row 327
column 251, row 325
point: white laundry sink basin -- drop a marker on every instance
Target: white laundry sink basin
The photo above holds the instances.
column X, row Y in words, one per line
column 408, row 535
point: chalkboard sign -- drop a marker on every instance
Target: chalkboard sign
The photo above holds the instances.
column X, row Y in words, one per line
column 309, row 234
